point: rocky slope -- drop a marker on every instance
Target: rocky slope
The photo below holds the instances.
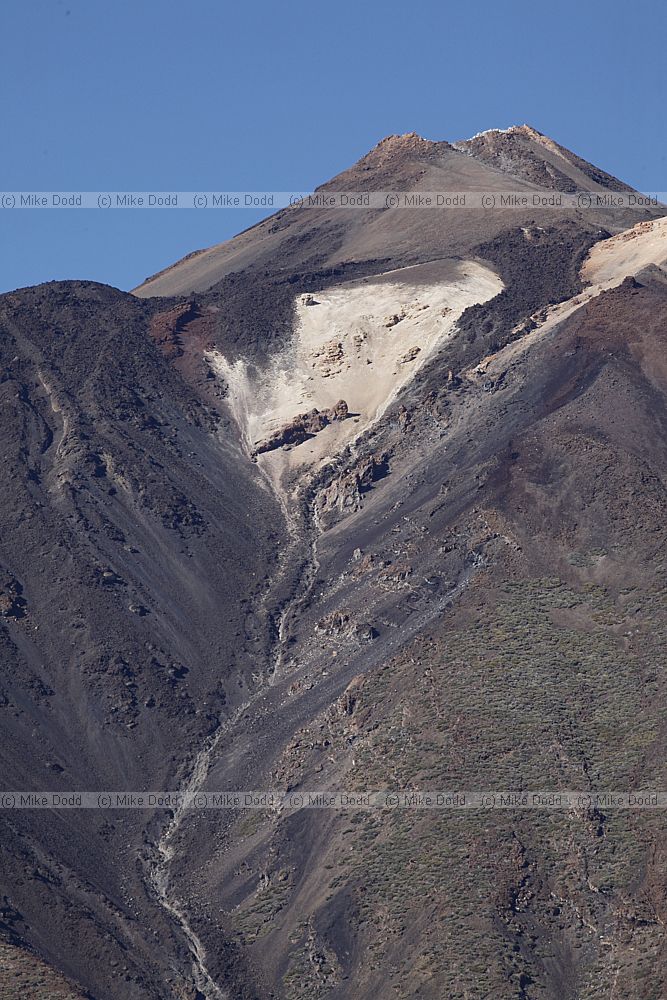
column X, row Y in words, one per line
column 313, row 239
column 136, row 545
column 356, row 502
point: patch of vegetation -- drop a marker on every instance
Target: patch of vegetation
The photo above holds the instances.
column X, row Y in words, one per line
column 548, row 688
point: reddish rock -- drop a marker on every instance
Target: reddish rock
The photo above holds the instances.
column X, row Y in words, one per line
column 303, row 426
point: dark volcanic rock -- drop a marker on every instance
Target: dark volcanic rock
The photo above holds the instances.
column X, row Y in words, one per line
column 132, row 533
column 12, row 602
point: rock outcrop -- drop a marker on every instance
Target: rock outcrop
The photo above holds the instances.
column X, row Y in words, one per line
column 346, row 491
column 12, row 601
column 302, row 427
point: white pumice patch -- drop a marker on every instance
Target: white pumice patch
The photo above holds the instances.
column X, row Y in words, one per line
column 607, row 265
column 362, row 342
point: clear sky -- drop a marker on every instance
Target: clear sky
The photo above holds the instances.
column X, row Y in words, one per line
column 132, row 95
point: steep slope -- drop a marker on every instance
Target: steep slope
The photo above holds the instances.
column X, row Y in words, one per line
column 489, row 615
column 24, row 975
column 371, row 500
column 524, row 152
column 134, row 544
column 520, row 160
column 360, row 342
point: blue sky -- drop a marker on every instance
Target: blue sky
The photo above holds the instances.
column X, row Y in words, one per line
column 204, row 95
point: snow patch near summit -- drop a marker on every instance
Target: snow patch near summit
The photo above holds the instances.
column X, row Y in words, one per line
column 491, row 131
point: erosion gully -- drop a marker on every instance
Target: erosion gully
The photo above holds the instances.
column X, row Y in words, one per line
column 299, row 556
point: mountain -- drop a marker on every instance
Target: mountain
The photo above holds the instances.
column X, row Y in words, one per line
column 520, row 159
column 358, row 500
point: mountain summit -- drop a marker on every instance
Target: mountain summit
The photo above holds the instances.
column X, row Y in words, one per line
column 522, row 151
column 517, row 159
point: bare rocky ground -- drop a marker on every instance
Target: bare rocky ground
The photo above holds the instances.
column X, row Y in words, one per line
column 467, row 593
column 24, row 974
